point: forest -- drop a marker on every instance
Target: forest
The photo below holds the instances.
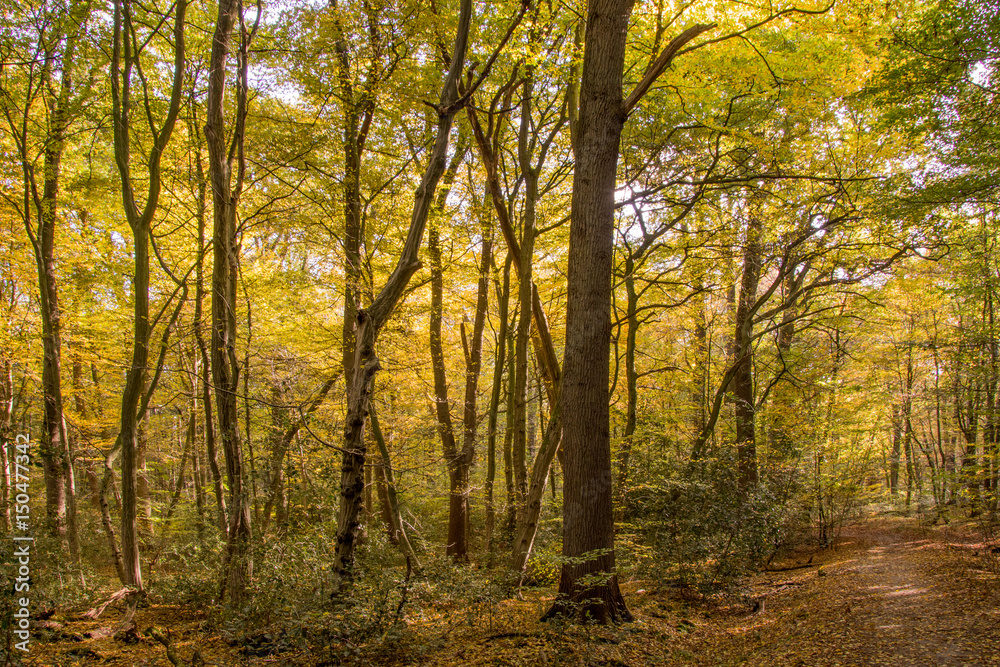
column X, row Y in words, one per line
column 379, row 331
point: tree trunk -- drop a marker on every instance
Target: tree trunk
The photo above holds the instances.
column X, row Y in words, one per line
column 222, row 522
column 631, row 380
column 588, row 585
column 196, row 472
column 503, row 297
column 527, row 249
column 370, row 321
column 743, row 379
column 397, row 532
column 894, row 456
column 6, row 438
column 55, row 448
column 123, row 64
column 280, row 450
column 237, row 567
column 527, row 524
column 510, row 521
column 142, row 481
column 189, row 438
column 457, row 544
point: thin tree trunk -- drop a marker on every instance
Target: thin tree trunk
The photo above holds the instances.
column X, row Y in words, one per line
column 280, row 450
column 503, row 297
column 457, row 544
column 55, row 448
column 397, row 532
column 6, row 438
column 508, row 442
column 521, row 332
column 470, row 417
column 142, row 481
column 222, row 521
column 631, row 381
column 371, row 320
column 196, row 472
column 894, row 456
column 189, row 439
column 224, row 154
column 123, row 65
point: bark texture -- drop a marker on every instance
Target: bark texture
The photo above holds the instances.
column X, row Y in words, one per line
column 588, row 585
column 369, row 321
column 225, row 153
column 124, row 62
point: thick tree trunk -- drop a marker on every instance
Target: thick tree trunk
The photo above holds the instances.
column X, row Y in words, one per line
column 743, row 379
column 588, row 585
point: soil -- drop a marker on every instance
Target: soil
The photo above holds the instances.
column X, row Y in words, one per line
column 891, row 592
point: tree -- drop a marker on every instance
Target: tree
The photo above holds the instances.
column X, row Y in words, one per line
column 125, row 65
column 370, row 321
column 237, row 566
column 51, row 83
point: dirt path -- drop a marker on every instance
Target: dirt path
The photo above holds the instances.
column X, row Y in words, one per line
column 891, row 594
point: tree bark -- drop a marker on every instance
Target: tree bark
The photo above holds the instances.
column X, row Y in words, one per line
column 457, row 545
column 58, row 54
column 743, row 378
column 499, row 362
column 588, row 585
column 6, row 438
column 370, row 321
column 631, row 379
column 521, row 332
column 224, row 154
column 221, row 515
column 280, row 450
column 397, row 532
column 123, row 64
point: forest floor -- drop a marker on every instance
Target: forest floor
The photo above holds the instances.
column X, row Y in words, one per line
column 890, row 592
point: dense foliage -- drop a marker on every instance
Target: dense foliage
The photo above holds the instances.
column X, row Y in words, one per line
column 804, row 294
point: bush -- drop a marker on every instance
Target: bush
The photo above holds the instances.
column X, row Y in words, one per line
column 700, row 532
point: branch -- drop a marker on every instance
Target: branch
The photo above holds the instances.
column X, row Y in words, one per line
column 661, row 64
